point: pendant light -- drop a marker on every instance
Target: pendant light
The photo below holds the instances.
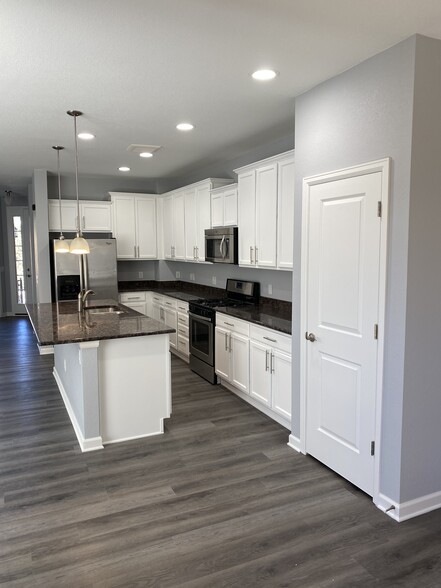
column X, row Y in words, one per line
column 79, row 245
column 60, row 246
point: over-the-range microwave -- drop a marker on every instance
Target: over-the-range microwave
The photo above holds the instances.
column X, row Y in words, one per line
column 221, row 245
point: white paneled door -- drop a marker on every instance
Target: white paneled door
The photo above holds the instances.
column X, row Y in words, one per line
column 342, row 282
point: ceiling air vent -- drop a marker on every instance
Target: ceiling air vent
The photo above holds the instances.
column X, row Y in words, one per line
column 143, row 148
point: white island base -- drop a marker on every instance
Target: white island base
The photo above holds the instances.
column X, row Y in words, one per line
column 116, row 389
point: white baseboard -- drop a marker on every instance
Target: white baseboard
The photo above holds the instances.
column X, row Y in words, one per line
column 294, row 443
column 160, row 432
column 410, row 509
column 45, row 349
column 89, row 444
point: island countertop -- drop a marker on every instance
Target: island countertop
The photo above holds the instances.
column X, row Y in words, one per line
column 59, row 323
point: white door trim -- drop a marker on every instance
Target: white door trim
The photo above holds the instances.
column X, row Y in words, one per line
column 22, row 211
column 383, row 166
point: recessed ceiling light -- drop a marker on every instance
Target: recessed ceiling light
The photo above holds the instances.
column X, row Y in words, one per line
column 185, row 127
column 86, row 136
column 146, row 154
column 124, row 168
column 264, row 74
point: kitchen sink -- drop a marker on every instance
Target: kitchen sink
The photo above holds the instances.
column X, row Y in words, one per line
column 105, row 310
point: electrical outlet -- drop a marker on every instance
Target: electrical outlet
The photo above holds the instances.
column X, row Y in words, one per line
column 213, row 280
column 140, row 274
column 178, row 275
column 270, row 289
column 192, row 277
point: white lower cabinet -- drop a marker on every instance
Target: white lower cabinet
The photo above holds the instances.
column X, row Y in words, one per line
column 232, row 351
column 171, row 320
column 135, row 301
column 183, row 347
column 256, row 363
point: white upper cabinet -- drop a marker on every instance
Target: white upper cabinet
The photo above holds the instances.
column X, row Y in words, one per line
column 224, row 206
column 186, row 215
column 266, row 212
column 285, row 213
column 95, row 216
column 134, row 225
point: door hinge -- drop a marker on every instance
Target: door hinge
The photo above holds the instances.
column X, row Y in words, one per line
column 375, row 331
column 379, row 209
column 372, row 447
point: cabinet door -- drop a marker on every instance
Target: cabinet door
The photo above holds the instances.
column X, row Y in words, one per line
column 190, row 224
column 285, row 214
column 281, row 383
column 146, row 227
column 230, row 207
column 222, row 352
column 179, row 225
column 156, row 312
column 266, row 216
column 68, row 215
column 96, row 216
column 217, row 210
column 247, row 217
column 167, row 221
column 240, row 347
column 124, row 226
column 202, row 219
column 171, row 320
column 260, row 372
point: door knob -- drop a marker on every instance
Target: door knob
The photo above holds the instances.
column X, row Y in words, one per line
column 310, row 337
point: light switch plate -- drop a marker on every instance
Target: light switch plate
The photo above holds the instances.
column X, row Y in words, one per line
column 213, row 280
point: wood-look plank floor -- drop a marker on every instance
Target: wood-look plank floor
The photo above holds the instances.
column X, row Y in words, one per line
column 219, row 500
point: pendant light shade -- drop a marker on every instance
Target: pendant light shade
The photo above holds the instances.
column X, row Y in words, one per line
column 60, row 246
column 79, row 245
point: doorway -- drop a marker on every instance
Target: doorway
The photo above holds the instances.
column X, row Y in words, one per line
column 19, row 256
column 344, row 232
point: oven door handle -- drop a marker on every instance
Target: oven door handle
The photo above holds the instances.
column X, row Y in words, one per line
column 201, row 318
column 222, row 248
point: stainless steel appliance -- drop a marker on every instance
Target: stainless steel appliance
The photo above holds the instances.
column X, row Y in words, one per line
column 221, row 245
column 100, row 271
column 203, row 320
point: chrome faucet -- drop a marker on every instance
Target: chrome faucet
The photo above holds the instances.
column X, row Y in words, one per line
column 82, row 298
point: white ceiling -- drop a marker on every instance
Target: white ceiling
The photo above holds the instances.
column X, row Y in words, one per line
column 138, row 67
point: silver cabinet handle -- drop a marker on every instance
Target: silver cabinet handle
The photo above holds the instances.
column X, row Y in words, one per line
column 256, row 260
column 251, row 254
column 272, row 363
column 76, row 223
column 266, row 360
column 229, row 324
column 134, row 298
column 169, row 303
column 181, row 331
column 226, row 341
column 84, row 222
column 134, row 250
column 269, row 339
column 197, row 252
column 138, row 251
column 230, row 344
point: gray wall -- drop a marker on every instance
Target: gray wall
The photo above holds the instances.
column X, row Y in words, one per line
column 362, row 115
column 98, row 187
column 421, row 436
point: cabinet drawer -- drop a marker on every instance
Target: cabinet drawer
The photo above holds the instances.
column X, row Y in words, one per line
column 132, row 297
column 183, row 346
column 270, row 337
column 182, row 331
column 182, row 319
column 233, row 324
column 156, row 299
column 182, row 306
column 169, row 302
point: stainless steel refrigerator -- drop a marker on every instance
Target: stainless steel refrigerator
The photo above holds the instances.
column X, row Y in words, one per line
column 100, row 271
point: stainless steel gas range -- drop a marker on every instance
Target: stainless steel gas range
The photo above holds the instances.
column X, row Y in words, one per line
column 203, row 320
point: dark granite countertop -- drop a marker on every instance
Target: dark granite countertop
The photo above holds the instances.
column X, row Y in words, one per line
column 55, row 324
column 259, row 316
column 270, row 313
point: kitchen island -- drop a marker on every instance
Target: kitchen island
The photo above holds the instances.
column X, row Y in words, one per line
column 112, row 367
